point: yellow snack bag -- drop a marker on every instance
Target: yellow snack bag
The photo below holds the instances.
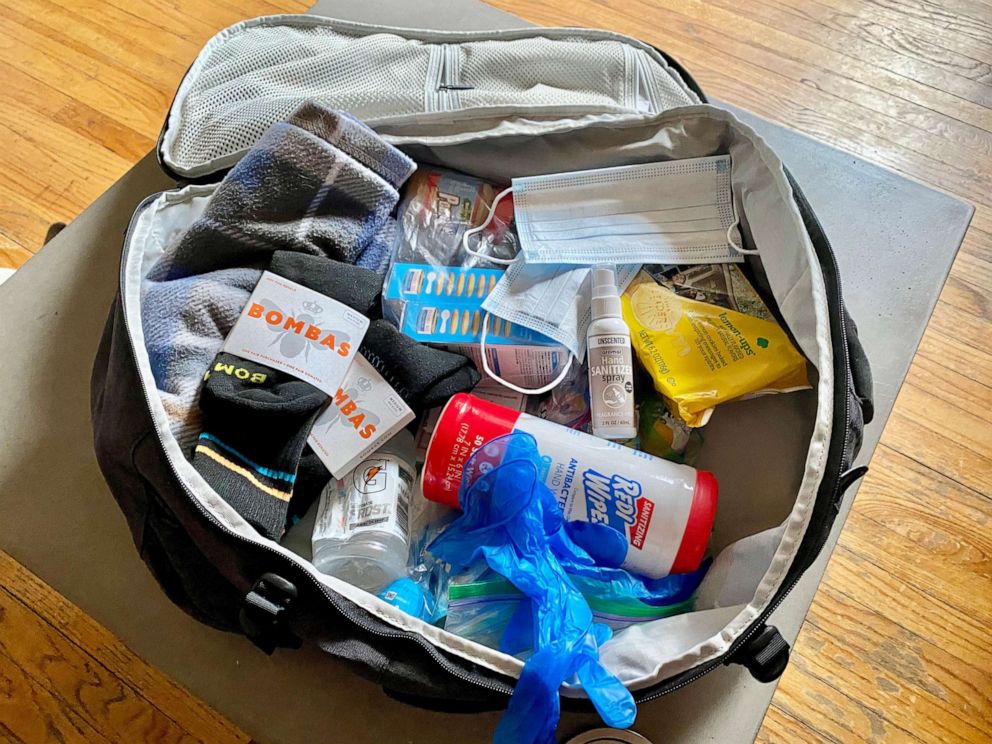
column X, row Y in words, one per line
column 700, row 354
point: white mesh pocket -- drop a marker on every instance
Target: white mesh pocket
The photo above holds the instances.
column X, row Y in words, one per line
column 257, row 72
column 542, row 72
column 259, row 77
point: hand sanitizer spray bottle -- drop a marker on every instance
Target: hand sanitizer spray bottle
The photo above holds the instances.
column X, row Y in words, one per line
column 611, row 367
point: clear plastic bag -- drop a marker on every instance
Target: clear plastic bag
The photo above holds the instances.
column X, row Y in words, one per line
column 439, row 205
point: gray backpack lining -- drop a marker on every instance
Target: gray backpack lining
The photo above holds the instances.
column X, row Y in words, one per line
column 764, row 507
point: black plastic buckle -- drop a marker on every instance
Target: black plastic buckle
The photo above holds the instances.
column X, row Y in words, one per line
column 263, row 614
column 765, row 655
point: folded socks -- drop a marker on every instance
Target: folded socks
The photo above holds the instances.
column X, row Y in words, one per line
column 358, row 288
column 256, row 419
column 256, row 422
column 424, row 377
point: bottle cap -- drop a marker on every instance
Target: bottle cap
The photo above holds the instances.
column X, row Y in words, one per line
column 605, row 296
column 608, row 736
column 465, row 424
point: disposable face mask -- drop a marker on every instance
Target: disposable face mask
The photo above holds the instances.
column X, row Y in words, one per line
column 678, row 211
column 553, row 300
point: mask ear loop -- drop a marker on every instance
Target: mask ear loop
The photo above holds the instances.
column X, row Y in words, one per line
column 730, row 231
column 505, row 383
column 483, row 226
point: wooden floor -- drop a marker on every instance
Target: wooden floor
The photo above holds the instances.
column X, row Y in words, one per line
column 898, row 645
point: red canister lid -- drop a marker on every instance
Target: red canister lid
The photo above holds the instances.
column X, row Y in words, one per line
column 699, row 525
column 465, row 424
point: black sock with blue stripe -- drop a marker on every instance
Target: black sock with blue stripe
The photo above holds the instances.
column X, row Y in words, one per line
column 255, row 425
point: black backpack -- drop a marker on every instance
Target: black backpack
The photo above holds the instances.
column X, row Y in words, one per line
column 497, row 104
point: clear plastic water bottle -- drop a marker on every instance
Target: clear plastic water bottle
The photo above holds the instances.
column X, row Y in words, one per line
column 361, row 533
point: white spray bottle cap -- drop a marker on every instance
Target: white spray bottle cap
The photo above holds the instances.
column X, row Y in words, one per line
column 605, row 296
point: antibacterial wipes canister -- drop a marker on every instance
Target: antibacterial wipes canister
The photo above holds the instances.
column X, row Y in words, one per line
column 663, row 511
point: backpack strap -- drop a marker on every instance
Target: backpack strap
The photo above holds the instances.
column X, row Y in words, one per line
column 263, row 613
column 765, row 654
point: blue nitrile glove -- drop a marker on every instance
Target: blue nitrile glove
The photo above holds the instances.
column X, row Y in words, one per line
column 591, row 554
column 605, row 545
column 510, row 519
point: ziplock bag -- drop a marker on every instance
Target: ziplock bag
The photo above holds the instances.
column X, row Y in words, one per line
column 481, row 610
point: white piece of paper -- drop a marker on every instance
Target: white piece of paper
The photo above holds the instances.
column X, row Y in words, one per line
column 362, row 415
column 298, row 331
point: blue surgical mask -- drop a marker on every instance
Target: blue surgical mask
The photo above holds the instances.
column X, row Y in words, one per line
column 671, row 212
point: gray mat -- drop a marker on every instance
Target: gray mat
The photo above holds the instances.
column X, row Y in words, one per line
column 895, row 241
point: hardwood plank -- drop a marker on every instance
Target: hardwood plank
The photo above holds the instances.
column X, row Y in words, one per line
column 911, row 37
column 106, row 88
column 962, row 294
column 40, row 186
column 900, row 486
column 967, row 328
column 24, row 219
column 978, row 243
column 935, row 447
column 974, row 261
column 939, row 348
column 72, row 676
column 104, row 131
column 75, row 31
column 857, row 576
column 706, row 40
column 842, row 664
column 29, row 714
column 201, row 721
column 955, row 443
column 968, row 17
column 958, row 388
column 968, row 36
column 131, row 22
column 208, row 18
column 834, row 714
column 13, row 257
column 919, row 401
column 805, row 22
column 855, row 130
column 899, row 556
column 779, row 726
column 21, row 92
column 765, row 28
column 956, row 420
column 909, row 677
